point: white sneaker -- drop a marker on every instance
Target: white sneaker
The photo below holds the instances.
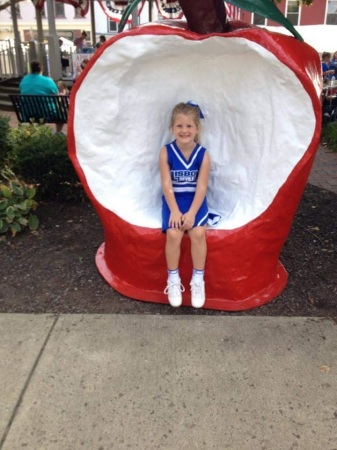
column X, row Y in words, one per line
column 174, row 290
column 198, row 294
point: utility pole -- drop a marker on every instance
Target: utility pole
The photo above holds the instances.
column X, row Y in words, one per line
column 53, row 44
column 134, row 17
column 17, row 42
column 93, row 24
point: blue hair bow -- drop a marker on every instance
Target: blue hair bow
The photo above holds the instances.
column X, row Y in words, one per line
column 196, row 105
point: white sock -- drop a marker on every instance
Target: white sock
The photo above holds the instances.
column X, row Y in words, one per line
column 198, row 276
column 173, row 276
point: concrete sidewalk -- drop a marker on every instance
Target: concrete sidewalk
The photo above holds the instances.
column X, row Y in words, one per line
column 167, row 382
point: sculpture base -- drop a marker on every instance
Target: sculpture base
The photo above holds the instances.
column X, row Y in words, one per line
column 267, row 294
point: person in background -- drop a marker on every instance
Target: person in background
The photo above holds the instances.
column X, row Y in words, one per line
column 333, row 63
column 63, row 90
column 37, row 84
column 327, row 68
column 64, row 61
column 101, row 41
column 80, row 42
column 80, row 68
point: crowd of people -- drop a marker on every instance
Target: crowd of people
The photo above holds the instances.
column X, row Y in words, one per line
column 78, row 61
column 329, row 66
column 329, row 99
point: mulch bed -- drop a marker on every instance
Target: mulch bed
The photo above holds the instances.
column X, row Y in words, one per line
column 53, row 270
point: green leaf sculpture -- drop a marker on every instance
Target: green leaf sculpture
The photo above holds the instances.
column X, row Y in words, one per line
column 266, row 8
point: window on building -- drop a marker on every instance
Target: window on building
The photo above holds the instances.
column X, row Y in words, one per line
column 293, row 11
column 258, row 20
column 112, row 26
column 59, row 10
column 331, row 16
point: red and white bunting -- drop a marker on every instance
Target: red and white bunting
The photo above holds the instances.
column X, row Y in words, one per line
column 169, row 10
column 232, row 12
column 38, row 3
column 81, row 6
column 114, row 9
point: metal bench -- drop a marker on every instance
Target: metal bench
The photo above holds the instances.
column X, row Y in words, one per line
column 41, row 108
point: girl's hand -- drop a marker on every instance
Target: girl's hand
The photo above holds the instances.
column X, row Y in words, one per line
column 188, row 220
column 175, row 220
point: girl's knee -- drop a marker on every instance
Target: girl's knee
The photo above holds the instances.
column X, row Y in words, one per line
column 197, row 234
column 174, row 236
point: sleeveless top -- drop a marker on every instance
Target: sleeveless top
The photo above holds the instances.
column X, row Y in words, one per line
column 184, row 174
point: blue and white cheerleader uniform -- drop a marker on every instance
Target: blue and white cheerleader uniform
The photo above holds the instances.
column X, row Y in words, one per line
column 184, row 175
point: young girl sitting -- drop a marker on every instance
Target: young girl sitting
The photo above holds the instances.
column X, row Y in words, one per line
column 63, row 90
column 184, row 167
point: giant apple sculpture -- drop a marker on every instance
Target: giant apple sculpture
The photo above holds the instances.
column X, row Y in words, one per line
column 260, row 94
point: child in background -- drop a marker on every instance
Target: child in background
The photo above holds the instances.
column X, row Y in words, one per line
column 80, row 68
column 63, row 90
column 184, row 167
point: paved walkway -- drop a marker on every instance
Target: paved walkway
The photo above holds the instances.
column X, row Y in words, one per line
column 324, row 171
column 323, row 174
column 100, row 382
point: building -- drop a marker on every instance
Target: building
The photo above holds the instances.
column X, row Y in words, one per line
column 320, row 12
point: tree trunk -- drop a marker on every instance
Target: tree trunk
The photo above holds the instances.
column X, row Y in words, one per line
column 205, row 16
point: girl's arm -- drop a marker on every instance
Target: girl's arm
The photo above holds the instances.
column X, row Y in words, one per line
column 200, row 193
column 175, row 220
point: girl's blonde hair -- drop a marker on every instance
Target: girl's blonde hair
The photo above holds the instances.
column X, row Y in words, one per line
column 62, row 87
column 188, row 110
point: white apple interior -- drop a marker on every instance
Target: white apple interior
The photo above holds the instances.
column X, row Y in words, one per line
column 259, row 121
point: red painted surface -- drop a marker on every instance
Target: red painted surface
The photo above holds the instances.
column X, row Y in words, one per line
column 243, row 270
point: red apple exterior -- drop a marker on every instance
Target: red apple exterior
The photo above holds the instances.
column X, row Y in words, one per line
column 260, row 92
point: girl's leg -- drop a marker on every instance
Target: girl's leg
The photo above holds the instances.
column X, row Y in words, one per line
column 198, row 247
column 198, row 252
column 172, row 250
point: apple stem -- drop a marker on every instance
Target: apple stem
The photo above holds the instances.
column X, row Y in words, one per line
column 205, row 16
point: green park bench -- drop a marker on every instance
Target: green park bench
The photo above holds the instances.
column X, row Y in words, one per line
column 41, row 108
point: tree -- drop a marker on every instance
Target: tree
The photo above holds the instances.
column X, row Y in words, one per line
column 7, row 4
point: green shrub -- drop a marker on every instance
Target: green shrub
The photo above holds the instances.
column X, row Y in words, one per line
column 16, row 205
column 26, row 132
column 5, row 143
column 40, row 157
column 329, row 135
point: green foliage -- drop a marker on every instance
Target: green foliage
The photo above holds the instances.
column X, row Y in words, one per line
column 5, row 144
column 16, row 205
column 40, row 157
column 26, row 132
column 329, row 135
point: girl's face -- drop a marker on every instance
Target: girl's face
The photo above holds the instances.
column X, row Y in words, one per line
column 184, row 129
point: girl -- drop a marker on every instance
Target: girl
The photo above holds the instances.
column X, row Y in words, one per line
column 184, row 168
column 63, row 90
column 327, row 69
